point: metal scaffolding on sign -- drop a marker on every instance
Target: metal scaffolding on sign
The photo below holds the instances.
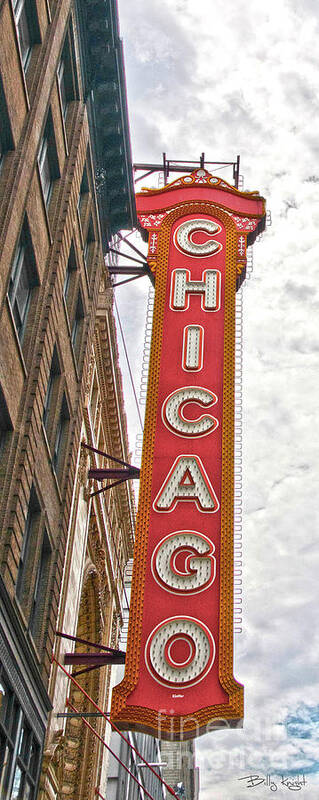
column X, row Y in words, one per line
column 171, row 165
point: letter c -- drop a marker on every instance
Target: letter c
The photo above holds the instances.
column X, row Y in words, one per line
column 173, row 412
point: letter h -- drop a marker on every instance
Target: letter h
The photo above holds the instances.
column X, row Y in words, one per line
column 182, row 286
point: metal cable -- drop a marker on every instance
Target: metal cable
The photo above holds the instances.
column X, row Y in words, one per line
column 128, row 365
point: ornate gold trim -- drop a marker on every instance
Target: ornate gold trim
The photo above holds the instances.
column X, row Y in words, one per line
column 189, row 181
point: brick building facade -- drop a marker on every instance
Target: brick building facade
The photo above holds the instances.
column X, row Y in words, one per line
column 65, row 189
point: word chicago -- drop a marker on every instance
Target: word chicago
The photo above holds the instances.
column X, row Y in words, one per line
column 179, row 679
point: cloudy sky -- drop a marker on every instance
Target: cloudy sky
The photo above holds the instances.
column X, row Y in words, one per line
column 242, row 77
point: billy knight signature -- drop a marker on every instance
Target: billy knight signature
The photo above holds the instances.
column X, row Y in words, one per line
column 294, row 783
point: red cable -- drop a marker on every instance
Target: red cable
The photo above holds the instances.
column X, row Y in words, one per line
column 114, row 727
column 111, row 751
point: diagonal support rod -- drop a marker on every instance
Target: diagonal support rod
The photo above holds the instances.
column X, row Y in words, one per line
column 106, row 455
column 132, row 246
column 114, row 727
column 87, row 642
column 145, row 175
column 90, row 727
column 131, row 258
column 109, row 486
column 128, row 280
column 86, row 669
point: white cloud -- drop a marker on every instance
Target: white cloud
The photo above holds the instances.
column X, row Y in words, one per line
column 242, row 77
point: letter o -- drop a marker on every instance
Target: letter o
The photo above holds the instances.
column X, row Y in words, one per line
column 180, row 651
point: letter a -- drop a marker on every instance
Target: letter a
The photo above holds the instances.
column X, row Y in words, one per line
column 186, row 481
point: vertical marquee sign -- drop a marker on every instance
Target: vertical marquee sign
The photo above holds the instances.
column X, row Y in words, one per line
column 179, row 679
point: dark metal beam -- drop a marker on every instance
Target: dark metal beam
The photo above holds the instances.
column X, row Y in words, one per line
column 122, row 267
column 96, row 659
column 116, row 270
column 173, row 165
column 102, row 474
column 71, row 715
column 236, row 172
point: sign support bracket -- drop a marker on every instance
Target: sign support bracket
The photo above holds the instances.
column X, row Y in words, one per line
column 128, row 471
column 108, row 656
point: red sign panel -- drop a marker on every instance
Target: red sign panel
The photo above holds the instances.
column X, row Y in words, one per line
column 179, row 675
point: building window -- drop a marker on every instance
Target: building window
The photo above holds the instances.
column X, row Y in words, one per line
column 5, row 421
column 27, row 549
column 23, row 279
column 87, row 247
column 69, row 275
column 84, row 188
column 66, row 74
column 62, row 87
column 84, row 199
column 54, row 373
column 40, row 589
column 27, row 28
column 19, row 748
column 48, row 160
column 77, row 323
column 94, row 400
column 60, row 435
column 6, row 141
